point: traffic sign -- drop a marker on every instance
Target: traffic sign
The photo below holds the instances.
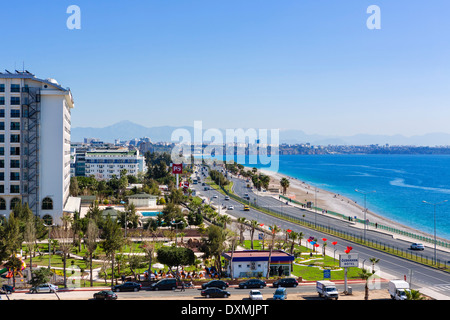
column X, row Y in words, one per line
column 327, row 274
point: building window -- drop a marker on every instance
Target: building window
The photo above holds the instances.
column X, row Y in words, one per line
column 15, row 87
column 2, row 138
column 2, row 112
column 47, row 204
column 14, row 201
column 2, row 151
column 2, row 101
column 15, row 113
column 2, row 204
column 15, row 125
column 2, row 87
column 2, row 125
column 15, row 151
column 14, row 176
column 2, row 163
column 2, row 176
column 13, row 164
column 15, row 138
column 15, row 188
column 15, row 101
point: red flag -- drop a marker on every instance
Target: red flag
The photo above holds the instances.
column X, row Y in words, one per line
column 316, row 245
column 334, row 243
column 324, row 239
column 261, row 225
column 288, row 230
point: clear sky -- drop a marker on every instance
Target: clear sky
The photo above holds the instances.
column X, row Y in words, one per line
column 311, row 65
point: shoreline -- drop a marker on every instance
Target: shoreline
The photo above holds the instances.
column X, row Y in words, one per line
column 327, row 200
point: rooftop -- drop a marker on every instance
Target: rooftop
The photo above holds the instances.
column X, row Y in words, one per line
column 259, row 255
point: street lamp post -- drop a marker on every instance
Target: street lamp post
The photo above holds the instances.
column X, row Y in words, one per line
column 365, row 210
column 434, row 213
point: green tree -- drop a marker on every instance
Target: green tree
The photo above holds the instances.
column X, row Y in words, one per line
column 112, row 241
column 414, row 295
column 214, row 245
column 175, row 256
column 365, row 275
column 274, row 230
column 284, row 184
column 90, row 241
column 40, row 276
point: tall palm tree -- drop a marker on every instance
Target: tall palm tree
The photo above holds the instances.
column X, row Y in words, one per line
column 242, row 225
column 284, row 184
column 274, row 230
column 365, row 275
column 374, row 261
column 293, row 236
column 253, row 225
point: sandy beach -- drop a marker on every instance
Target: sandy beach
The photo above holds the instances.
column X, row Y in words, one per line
column 303, row 192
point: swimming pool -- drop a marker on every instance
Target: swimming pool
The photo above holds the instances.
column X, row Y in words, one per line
column 150, row 213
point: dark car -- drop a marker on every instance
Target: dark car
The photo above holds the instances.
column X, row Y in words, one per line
column 164, row 284
column 215, row 284
column 105, row 295
column 127, row 286
column 215, row 293
column 252, row 283
column 285, row 282
column 7, row 289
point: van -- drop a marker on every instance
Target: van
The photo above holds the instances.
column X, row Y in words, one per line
column 164, row 284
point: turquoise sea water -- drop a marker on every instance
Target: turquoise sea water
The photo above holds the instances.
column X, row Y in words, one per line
column 401, row 184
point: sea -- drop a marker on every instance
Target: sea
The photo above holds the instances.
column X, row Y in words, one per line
column 408, row 189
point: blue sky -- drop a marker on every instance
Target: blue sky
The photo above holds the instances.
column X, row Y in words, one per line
column 311, row 65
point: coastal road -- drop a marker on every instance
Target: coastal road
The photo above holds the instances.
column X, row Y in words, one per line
column 420, row 276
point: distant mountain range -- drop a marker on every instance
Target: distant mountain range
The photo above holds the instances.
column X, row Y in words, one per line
column 127, row 130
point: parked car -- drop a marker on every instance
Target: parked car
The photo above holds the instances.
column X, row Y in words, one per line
column 46, row 287
column 105, row 295
column 280, row 294
column 215, row 293
column 164, row 284
column 255, row 295
column 215, row 284
column 127, row 286
column 285, row 282
column 8, row 289
column 252, row 283
column 417, row 246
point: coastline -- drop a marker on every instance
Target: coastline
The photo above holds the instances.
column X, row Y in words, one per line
column 327, row 200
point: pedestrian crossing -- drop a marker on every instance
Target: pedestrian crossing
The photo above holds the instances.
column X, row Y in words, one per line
column 442, row 287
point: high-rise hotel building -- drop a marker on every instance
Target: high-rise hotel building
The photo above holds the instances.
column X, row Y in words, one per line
column 34, row 144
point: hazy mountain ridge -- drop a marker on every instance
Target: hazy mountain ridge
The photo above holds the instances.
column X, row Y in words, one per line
column 126, row 130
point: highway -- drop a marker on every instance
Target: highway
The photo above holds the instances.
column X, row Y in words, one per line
column 420, row 276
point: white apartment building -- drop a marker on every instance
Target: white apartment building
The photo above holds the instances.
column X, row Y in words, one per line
column 104, row 164
column 34, row 144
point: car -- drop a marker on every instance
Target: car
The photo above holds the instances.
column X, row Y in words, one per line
column 215, row 293
column 215, row 284
column 214, row 197
column 280, row 294
column 164, row 284
column 417, row 246
column 255, row 295
column 105, row 295
column 285, row 282
column 252, row 283
column 230, row 208
column 8, row 289
column 127, row 286
column 227, row 198
column 46, row 287
column 246, row 208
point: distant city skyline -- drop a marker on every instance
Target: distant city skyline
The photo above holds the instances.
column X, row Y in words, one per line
column 306, row 65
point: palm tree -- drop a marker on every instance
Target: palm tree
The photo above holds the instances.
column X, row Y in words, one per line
column 293, row 236
column 274, row 230
column 284, row 184
column 90, row 241
column 242, row 222
column 365, row 275
column 414, row 295
column 253, row 225
column 374, row 261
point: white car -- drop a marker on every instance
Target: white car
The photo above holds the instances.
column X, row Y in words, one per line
column 255, row 295
column 227, row 198
column 214, row 197
column 46, row 287
column 417, row 246
column 230, row 208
